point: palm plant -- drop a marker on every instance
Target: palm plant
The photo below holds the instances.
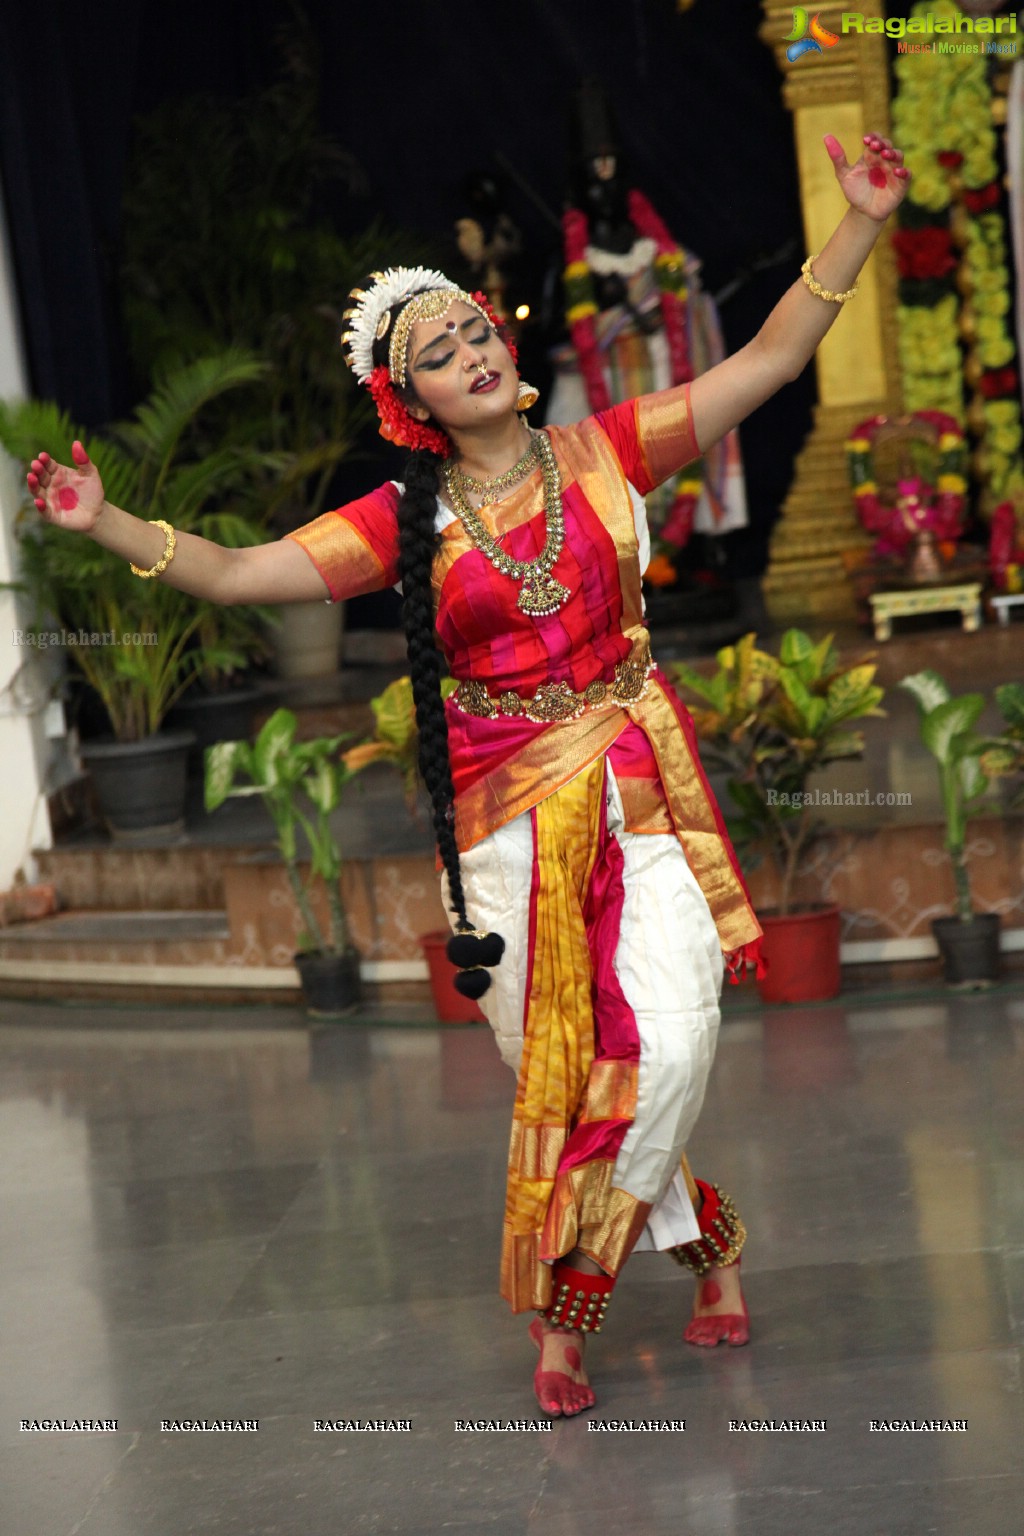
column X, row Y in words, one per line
column 149, row 465
column 773, row 721
column 226, row 244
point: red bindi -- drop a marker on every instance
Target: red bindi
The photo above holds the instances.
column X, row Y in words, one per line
column 68, row 497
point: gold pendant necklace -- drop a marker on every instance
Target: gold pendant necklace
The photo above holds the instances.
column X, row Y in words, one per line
column 539, row 594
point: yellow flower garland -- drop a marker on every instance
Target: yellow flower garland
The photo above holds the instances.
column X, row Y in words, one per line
column 935, row 92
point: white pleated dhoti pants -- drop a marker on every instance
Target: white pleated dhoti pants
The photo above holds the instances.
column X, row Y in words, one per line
column 670, row 966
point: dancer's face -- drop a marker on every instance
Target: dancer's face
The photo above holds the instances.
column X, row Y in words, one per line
column 462, row 373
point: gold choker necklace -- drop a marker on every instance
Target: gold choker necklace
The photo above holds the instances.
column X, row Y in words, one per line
column 540, row 594
column 500, row 482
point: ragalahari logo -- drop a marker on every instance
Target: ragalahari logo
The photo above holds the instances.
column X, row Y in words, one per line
column 807, row 36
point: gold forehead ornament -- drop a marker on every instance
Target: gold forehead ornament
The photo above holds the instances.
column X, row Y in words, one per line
column 432, row 304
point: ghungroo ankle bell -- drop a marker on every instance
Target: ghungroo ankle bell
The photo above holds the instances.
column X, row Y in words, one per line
column 722, row 1233
column 580, row 1300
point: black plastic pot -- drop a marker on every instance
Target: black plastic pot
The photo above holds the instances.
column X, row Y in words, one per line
column 970, row 951
column 213, row 717
column 140, row 785
column 330, row 983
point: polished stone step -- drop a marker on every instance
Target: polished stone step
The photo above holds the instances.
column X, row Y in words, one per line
column 128, row 937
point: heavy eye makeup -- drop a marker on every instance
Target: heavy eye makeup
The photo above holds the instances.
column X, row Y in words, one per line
column 431, row 365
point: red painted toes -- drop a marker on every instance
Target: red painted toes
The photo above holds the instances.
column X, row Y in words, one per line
column 727, row 1328
column 557, row 1394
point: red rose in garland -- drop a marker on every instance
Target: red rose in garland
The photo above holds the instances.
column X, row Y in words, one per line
column 997, row 383
column 924, row 253
column 982, row 199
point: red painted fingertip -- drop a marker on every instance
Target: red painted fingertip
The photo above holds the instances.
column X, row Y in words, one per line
column 40, row 503
column 78, row 453
column 33, row 481
column 45, row 457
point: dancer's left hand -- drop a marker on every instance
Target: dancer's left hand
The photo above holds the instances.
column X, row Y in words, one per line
column 877, row 183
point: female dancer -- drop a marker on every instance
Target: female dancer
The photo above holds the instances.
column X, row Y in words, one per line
column 572, row 816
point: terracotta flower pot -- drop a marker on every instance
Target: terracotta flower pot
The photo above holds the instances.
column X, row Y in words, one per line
column 802, row 952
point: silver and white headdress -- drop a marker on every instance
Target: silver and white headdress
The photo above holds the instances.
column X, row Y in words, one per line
column 370, row 316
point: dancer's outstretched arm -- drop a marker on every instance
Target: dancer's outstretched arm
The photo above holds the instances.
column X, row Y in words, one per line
column 71, row 496
column 874, row 187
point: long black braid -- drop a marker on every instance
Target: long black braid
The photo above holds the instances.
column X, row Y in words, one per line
column 418, row 543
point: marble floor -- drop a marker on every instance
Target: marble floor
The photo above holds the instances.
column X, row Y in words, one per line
column 222, row 1214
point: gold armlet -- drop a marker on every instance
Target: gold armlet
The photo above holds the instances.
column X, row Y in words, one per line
column 825, row 293
column 168, row 554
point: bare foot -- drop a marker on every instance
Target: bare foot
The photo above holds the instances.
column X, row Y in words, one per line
column 719, row 1310
column 560, row 1380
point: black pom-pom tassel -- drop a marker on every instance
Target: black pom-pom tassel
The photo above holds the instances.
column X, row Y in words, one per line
column 467, row 949
column 473, row 982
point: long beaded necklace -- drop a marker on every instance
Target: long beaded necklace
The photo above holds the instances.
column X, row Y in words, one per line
column 539, row 594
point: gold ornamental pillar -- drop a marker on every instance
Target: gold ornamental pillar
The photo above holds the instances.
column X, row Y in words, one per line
column 842, row 90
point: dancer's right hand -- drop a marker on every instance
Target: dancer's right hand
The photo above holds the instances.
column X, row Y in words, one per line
column 68, row 497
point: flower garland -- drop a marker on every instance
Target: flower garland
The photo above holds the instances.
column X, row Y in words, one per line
column 581, row 312
column 995, row 411
column 581, row 297
column 942, row 513
column 670, row 273
column 581, row 308
column 945, row 100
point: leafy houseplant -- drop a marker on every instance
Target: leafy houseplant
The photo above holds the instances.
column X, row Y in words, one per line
column 395, row 738
column 1003, row 756
column 142, row 658
column 969, row 941
column 231, row 239
column 771, row 722
column 220, row 249
column 395, row 741
column 232, row 218
column 300, row 784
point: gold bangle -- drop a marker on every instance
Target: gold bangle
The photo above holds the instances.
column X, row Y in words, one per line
column 168, row 554
column 825, row 293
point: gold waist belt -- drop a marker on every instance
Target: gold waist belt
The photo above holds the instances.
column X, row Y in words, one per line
column 559, row 701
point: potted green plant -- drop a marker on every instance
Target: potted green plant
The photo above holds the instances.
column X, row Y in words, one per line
column 131, row 642
column 300, row 784
column 395, row 741
column 772, row 722
column 227, row 241
column 1003, row 756
column 231, row 644
column 968, row 941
